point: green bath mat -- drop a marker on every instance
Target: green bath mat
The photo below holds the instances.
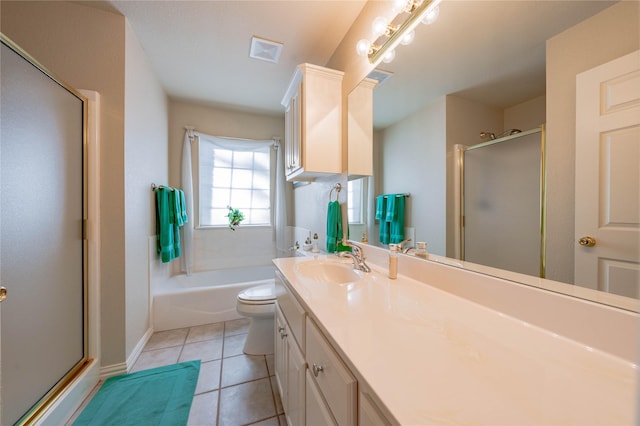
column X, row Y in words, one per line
column 159, row 396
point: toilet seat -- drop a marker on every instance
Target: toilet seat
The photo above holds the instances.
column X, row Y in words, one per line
column 259, row 295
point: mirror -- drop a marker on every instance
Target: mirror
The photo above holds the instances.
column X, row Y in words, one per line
column 489, row 66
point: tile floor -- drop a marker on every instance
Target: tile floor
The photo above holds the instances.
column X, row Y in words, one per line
column 233, row 388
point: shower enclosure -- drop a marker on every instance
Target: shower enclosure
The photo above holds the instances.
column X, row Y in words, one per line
column 502, row 202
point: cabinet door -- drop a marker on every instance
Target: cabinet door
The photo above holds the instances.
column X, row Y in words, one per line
column 296, row 368
column 369, row 414
column 293, row 135
column 280, row 356
column 335, row 381
column 317, row 413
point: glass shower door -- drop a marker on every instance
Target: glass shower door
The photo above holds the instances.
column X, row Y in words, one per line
column 42, row 249
column 502, row 203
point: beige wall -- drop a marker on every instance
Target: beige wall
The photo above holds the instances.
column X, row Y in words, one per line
column 413, row 156
column 465, row 120
column 608, row 35
column 146, row 152
column 527, row 115
column 97, row 50
column 85, row 48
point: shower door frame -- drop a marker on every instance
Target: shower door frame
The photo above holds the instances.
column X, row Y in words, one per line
column 460, row 208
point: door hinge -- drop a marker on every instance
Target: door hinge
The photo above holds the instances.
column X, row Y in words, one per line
column 84, row 229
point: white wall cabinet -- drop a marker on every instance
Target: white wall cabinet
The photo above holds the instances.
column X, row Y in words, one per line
column 313, row 123
column 360, row 129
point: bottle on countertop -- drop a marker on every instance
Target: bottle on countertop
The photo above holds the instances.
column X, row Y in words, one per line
column 315, row 248
column 393, row 261
column 421, row 249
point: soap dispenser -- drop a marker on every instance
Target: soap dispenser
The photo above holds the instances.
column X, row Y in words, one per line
column 315, row 244
column 393, row 261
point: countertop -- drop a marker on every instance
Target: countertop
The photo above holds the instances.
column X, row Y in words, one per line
column 432, row 357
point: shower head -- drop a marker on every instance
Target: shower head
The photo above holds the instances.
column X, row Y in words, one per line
column 489, row 135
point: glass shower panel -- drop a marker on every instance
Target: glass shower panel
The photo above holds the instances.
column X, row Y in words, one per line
column 502, row 204
column 41, row 200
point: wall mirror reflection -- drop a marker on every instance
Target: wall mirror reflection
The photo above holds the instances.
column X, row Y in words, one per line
column 486, row 67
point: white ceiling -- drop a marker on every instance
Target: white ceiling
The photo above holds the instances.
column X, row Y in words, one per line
column 200, row 49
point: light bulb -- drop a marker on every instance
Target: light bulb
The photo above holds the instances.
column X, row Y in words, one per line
column 431, row 16
column 363, row 47
column 389, row 56
column 379, row 26
column 408, row 38
column 400, row 5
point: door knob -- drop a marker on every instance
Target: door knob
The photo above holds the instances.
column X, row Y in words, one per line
column 3, row 294
column 587, row 241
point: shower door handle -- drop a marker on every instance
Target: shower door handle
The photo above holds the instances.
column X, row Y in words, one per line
column 587, row 241
column 3, row 294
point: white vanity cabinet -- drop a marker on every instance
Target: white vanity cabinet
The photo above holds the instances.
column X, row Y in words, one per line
column 315, row 384
column 290, row 364
column 334, row 380
column 290, row 370
column 313, row 123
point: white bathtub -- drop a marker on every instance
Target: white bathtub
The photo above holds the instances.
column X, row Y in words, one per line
column 203, row 297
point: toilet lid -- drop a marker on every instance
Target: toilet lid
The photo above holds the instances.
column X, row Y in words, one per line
column 261, row 293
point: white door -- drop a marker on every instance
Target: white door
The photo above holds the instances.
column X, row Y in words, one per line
column 607, row 203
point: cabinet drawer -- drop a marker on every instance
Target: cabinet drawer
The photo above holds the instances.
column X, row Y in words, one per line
column 337, row 384
column 292, row 310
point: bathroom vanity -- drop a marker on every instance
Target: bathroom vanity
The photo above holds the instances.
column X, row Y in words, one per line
column 429, row 348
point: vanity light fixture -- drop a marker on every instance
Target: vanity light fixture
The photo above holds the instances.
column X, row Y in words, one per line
column 389, row 34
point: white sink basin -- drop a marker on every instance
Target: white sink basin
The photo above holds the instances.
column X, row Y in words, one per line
column 328, row 271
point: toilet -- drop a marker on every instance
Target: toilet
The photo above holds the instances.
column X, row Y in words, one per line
column 258, row 304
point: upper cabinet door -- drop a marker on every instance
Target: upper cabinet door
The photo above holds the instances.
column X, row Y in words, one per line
column 313, row 121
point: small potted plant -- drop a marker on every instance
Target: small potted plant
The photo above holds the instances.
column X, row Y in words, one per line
column 235, row 217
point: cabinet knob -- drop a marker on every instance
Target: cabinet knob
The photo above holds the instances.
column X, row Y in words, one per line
column 317, row 368
column 283, row 335
column 281, row 329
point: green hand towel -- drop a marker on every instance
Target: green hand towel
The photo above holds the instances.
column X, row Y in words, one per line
column 391, row 213
column 183, row 207
column 164, row 228
column 396, row 227
column 177, row 223
column 381, row 204
column 334, row 226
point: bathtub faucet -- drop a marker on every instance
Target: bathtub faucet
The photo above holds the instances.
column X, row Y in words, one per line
column 294, row 247
column 356, row 255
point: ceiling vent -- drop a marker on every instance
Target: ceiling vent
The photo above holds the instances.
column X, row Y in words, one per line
column 265, row 50
column 380, row 75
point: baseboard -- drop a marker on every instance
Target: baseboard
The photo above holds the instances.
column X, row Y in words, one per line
column 124, row 367
column 133, row 357
column 113, row 370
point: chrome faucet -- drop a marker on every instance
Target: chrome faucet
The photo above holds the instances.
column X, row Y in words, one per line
column 356, row 255
column 404, row 249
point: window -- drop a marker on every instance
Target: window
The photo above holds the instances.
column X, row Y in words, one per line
column 355, row 200
column 240, row 178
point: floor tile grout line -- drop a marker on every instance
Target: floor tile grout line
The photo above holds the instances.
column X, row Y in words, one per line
column 224, row 330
